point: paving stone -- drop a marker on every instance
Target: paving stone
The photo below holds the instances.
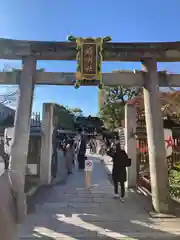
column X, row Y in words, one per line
column 80, row 199
column 71, row 211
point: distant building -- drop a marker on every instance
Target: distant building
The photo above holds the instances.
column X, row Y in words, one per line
column 7, row 115
column 6, row 112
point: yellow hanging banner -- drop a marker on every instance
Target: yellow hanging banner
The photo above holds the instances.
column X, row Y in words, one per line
column 89, row 59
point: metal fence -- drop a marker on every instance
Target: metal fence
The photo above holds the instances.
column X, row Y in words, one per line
column 142, row 151
column 35, row 120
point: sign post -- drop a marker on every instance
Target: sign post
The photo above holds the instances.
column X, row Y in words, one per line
column 88, row 173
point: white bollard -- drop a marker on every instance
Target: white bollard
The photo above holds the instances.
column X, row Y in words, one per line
column 88, row 173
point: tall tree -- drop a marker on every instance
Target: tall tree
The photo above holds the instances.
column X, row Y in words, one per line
column 112, row 112
column 64, row 118
column 76, row 111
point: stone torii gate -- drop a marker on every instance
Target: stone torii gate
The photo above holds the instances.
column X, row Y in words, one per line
column 146, row 53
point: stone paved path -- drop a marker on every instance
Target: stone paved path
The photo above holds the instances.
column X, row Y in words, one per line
column 70, row 211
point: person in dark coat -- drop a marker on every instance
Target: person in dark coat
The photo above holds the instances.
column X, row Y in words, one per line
column 119, row 174
column 91, row 145
column 81, row 151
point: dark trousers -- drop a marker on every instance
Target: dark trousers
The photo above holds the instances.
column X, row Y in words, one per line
column 6, row 161
column 81, row 161
column 91, row 149
column 122, row 188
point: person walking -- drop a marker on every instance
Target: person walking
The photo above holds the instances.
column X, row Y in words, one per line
column 119, row 175
column 70, row 155
column 94, row 145
column 81, row 151
column 91, row 145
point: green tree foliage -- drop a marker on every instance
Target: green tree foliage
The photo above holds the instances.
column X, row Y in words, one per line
column 89, row 123
column 66, row 118
column 76, row 111
column 112, row 112
column 174, row 179
column 63, row 117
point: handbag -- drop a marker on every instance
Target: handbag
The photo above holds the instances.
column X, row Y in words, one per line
column 128, row 162
column 110, row 152
column 126, row 159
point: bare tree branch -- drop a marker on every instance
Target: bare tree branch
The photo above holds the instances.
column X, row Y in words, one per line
column 9, row 97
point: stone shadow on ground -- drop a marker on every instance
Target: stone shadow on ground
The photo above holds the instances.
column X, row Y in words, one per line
column 94, row 231
column 87, row 214
column 90, row 225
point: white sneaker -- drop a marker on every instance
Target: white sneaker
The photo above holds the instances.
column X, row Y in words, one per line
column 122, row 199
column 116, row 195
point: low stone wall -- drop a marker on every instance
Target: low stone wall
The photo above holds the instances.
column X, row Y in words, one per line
column 34, row 152
column 62, row 172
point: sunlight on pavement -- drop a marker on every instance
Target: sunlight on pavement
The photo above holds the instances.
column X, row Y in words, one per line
column 46, row 232
column 72, row 212
column 75, row 220
column 175, row 231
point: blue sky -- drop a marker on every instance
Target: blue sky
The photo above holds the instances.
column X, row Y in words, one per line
column 53, row 20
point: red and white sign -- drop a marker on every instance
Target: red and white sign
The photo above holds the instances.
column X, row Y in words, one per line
column 169, row 143
column 88, row 165
column 168, row 140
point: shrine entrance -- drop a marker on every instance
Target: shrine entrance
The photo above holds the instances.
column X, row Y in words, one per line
column 89, row 54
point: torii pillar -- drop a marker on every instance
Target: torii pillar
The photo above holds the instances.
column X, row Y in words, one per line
column 130, row 143
column 155, row 137
column 20, row 144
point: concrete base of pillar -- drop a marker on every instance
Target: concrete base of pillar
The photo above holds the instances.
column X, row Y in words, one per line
column 62, row 172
